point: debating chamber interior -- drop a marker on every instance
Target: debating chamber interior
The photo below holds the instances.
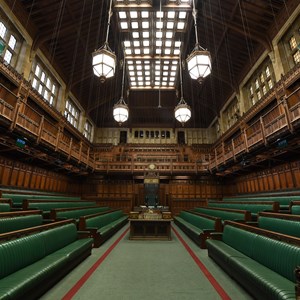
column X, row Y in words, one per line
column 150, row 149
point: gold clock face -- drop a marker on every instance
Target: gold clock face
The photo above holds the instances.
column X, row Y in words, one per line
column 151, row 166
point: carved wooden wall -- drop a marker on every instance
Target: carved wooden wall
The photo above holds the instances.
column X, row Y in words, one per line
column 22, row 175
column 283, row 177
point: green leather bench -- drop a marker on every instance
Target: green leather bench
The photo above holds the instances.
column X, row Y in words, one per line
column 46, row 206
column 283, row 223
column 18, row 199
column 198, row 226
column 262, row 261
column 32, row 260
column 12, row 221
column 295, row 207
column 103, row 225
column 284, row 201
column 225, row 213
column 75, row 213
column 4, row 207
column 253, row 206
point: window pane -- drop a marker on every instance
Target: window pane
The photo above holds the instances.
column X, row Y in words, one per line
column 34, row 83
column 37, row 70
column 48, row 83
column 296, row 57
column 2, row 30
column 43, row 76
column 293, row 43
column 7, row 56
column 12, row 42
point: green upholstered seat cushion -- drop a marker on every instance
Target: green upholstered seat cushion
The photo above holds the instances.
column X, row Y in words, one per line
column 25, row 279
column 19, row 253
column 75, row 249
column 18, row 198
column 224, row 215
column 239, row 239
column 103, row 220
column 4, row 207
column 47, row 206
column 188, row 225
column 105, row 229
column 223, row 250
column 117, row 222
column 280, row 257
column 295, row 209
column 80, row 212
column 288, row 227
column 254, row 208
column 198, row 221
column 21, row 222
column 59, row 237
column 264, row 281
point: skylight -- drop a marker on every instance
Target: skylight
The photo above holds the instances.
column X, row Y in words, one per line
column 152, row 40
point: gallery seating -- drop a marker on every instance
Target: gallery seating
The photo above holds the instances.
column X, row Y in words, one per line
column 198, row 226
column 34, row 259
column 103, row 225
column 262, row 261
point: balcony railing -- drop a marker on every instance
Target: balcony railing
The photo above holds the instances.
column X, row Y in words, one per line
column 18, row 115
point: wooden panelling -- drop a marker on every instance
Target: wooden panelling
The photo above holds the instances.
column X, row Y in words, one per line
column 282, row 177
column 21, row 175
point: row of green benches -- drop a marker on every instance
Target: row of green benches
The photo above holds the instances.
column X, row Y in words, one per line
column 264, row 274
column 284, row 201
column 18, row 198
column 34, row 259
column 101, row 219
column 200, row 222
column 256, row 206
column 6, row 204
column 262, row 261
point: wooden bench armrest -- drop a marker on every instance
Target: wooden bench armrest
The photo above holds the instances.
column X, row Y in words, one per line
column 48, row 221
column 208, row 230
column 252, row 223
column 93, row 230
column 216, row 236
column 83, row 234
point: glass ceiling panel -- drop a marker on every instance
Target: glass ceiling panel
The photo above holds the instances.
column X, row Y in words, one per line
column 152, row 40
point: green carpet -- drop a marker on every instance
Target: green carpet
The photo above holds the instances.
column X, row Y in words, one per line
column 147, row 270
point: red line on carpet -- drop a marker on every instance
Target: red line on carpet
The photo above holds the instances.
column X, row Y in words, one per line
column 204, row 270
column 93, row 268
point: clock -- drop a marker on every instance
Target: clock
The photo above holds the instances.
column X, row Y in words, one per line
column 151, row 166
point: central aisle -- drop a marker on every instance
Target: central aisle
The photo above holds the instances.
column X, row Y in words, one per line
column 130, row 270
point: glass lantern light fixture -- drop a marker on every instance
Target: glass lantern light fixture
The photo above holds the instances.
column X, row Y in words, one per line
column 120, row 109
column 199, row 61
column 104, row 60
column 182, row 111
